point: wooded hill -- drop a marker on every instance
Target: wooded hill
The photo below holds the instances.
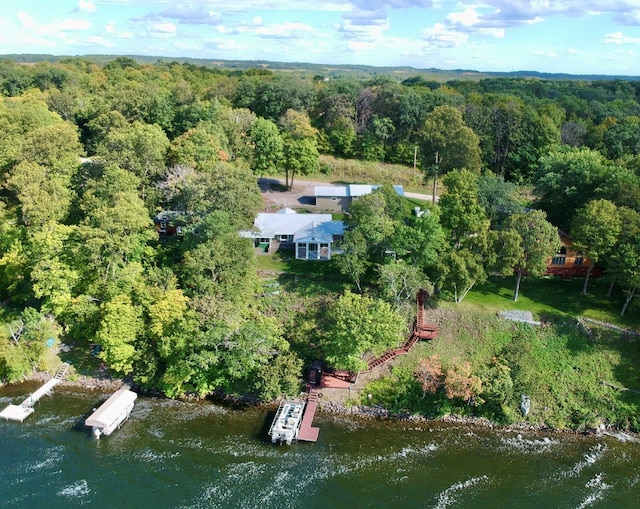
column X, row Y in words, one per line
column 91, row 152
column 328, row 70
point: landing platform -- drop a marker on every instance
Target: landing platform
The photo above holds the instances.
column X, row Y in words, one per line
column 16, row 412
column 331, row 382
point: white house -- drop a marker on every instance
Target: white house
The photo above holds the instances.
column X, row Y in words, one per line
column 311, row 235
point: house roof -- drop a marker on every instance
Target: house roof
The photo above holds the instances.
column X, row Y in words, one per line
column 350, row 190
column 330, row 191
column 319, row 232
column 286, row 210
column 283, row 222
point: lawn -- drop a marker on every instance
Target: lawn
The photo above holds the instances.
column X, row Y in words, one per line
column 549, row 298
column 305, row 277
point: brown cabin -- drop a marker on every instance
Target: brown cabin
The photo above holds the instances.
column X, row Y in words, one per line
column 166, row 223
column 567, row 262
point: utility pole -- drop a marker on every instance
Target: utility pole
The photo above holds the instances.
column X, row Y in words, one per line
column 438, row 160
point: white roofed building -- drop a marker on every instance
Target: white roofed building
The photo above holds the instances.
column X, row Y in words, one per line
column 340, row 198
column 310, row 235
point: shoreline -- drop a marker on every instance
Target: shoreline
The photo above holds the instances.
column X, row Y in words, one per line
column 363, row 412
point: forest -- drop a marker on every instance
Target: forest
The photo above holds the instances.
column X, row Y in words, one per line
column 90, row 153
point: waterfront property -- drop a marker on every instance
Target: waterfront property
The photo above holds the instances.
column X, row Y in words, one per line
column 112, row 413
column 25, row 409
column 310, row 235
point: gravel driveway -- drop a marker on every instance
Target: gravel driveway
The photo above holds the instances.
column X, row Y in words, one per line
column 301, row 195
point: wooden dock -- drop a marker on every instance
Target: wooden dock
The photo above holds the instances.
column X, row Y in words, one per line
column 307, row 432
column 25, row 409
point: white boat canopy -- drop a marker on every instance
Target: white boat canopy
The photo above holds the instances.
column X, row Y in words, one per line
column 112, row 409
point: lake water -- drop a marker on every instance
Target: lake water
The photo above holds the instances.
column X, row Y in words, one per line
column 201, row 455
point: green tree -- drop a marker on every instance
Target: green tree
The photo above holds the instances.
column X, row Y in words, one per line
column 567, row 180
column 400, row 282
column 300, row 151
column 120, row 326
column 421, row 242
column 217, row 261
column 280, row 377
column 268, row 147
column 111, row 241
column 42, row 197
column 497, row 197
column 356, row 325
column 448, row 144
column 139, row 148
column 200, row 146
column 623, row 263
column 461, row 212
column 353, row 260
column 594, row 231
column 538, row 240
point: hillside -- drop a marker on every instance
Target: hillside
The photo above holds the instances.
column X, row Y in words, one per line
column 328, row 70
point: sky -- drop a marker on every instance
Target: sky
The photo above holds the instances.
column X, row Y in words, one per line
column 560, row 36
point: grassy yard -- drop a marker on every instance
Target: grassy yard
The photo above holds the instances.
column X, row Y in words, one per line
column 576, row 376
column 552, row 298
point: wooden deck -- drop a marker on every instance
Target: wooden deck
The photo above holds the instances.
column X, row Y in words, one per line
column 307, row 432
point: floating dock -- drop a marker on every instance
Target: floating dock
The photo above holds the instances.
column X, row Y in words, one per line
column 25, row 409
column 112, row 413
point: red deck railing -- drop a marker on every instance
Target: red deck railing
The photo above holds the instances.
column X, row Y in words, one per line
column 420, row 331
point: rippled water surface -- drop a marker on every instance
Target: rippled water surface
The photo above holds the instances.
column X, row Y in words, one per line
column 182, row 455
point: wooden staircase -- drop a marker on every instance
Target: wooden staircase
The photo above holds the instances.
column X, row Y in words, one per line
column 420, row 331
column 62, row 371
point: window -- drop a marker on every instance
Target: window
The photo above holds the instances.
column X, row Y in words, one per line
column 334, row 198
column 579, row 260
column 559, row 260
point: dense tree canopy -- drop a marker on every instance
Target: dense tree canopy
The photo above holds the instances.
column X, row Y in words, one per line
column 90, row 153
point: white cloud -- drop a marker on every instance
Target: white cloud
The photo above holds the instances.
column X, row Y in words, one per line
column 25, row 20
column 284, row 30
column 73, row 25
column 222, row 44
column 620, row 38
column 545, row 53
column 363, row 33
column 631, row 18
column 186, row 46
column 101, row 41
column 86, row 6
column 110, row 27
column 189, row 14
column 469, row 20
column 439, row 36
column 163, row 28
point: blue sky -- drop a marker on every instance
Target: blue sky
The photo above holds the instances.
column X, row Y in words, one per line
column 572, row 36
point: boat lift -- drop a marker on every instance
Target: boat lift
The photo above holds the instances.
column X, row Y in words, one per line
column 112, row 413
